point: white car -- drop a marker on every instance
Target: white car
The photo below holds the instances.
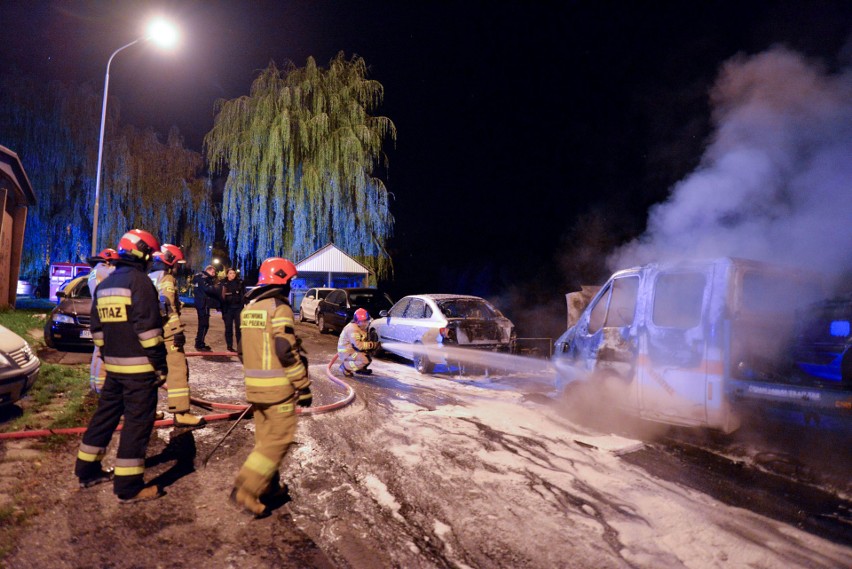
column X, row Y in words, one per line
column 19, row 367
column 310, row 303
column 441, row 320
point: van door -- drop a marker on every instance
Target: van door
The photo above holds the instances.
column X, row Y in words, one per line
column 673, row 348
column 605, row 339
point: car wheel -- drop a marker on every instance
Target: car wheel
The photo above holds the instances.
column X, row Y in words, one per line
column 321, row 324
column 422, row 363
column 301, row 316
column 316, row 315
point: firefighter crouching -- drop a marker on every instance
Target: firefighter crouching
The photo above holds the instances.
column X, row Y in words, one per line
column 276, row 375
column 353, row 347
column 162, row 272
column 127, row 327
column 103, row 264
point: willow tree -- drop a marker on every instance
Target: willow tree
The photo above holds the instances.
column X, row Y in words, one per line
column 157, row 187
column 302, row 152
column 53, row 127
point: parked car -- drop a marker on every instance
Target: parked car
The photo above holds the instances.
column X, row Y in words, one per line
column 309, row 309
column 442, row 320
column 68, row 323
column 19, row 367
column 336, row 309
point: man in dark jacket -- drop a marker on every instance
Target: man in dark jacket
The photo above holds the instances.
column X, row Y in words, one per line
column 127, row 327
column 206, row 292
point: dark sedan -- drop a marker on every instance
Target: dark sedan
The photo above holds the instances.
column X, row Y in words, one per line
column 68, row 324
column 336, row 309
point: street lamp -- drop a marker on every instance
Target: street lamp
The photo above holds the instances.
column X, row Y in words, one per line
column 161, row 33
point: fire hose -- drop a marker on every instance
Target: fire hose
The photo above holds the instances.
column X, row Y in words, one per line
column 236, row 409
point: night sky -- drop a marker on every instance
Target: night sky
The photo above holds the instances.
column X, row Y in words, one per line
column 516, row 121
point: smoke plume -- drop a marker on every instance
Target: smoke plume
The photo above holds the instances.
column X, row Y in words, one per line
column 775, row 183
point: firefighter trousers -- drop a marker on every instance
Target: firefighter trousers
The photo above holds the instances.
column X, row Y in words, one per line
column 136, row 399
column 177, row 380
column 274, row 428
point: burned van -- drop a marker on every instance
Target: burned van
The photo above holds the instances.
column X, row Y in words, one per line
column 687, row 343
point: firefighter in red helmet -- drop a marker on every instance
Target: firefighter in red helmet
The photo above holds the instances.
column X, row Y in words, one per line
column 354, row 347
column 103, row 264
column 166, row 262
column 127, row 327
column 276, row 376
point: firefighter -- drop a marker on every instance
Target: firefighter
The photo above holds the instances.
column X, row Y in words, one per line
column 127, row 327
column 103, row 264
column 276, row 375
column 353, row 347
column 165, row 264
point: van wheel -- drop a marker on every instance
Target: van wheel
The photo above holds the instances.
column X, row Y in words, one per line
column 422, row 363
column 321, row 324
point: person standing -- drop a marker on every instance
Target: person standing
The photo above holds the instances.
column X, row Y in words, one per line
column 233, row 299
column 204, row 284
column 127, row 327
column 103, row 264
column 162, row 275
column 276, row 376
column 353, row 347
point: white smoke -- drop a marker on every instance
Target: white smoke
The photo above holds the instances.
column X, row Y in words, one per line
column 775, row 183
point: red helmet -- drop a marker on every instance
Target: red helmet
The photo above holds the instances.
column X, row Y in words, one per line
column 276, row 270
column 137, row 245
column 361, row 315
column 171, row 255
column 108, row 254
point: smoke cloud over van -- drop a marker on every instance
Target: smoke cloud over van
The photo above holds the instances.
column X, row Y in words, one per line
column 775, row 182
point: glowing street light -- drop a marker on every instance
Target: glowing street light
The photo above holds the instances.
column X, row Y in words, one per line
column 163, row 34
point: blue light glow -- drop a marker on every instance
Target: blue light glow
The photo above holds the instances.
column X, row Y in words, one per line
column 839, row 328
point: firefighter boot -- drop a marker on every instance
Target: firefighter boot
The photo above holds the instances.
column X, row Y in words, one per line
column 275, row 494
column 105, row 475
column 345, row 371
column 187, row 419
column 248, row 502
column 364, row 371
column 145, row 494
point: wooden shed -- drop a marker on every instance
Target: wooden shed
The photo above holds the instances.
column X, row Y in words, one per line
column 16, row 197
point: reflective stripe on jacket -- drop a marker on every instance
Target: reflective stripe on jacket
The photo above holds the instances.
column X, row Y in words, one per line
column 273, row 368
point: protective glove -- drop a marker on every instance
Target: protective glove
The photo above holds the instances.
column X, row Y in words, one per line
column 304, row 397
column 179, row 339
column 370, row 346
column 161, row 376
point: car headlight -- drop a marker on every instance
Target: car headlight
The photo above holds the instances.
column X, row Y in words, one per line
column 63, row 318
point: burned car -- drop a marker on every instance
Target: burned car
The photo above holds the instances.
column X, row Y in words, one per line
column 68, row 323
column 441, row 320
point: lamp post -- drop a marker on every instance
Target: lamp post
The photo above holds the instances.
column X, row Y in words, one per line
column 162, row 33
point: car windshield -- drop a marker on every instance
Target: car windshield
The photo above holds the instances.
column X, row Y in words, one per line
column 322, row 294
column 468, row 308
column 369, row 300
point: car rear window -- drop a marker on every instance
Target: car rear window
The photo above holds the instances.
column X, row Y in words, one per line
column 370, row 300
column 468, row 308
